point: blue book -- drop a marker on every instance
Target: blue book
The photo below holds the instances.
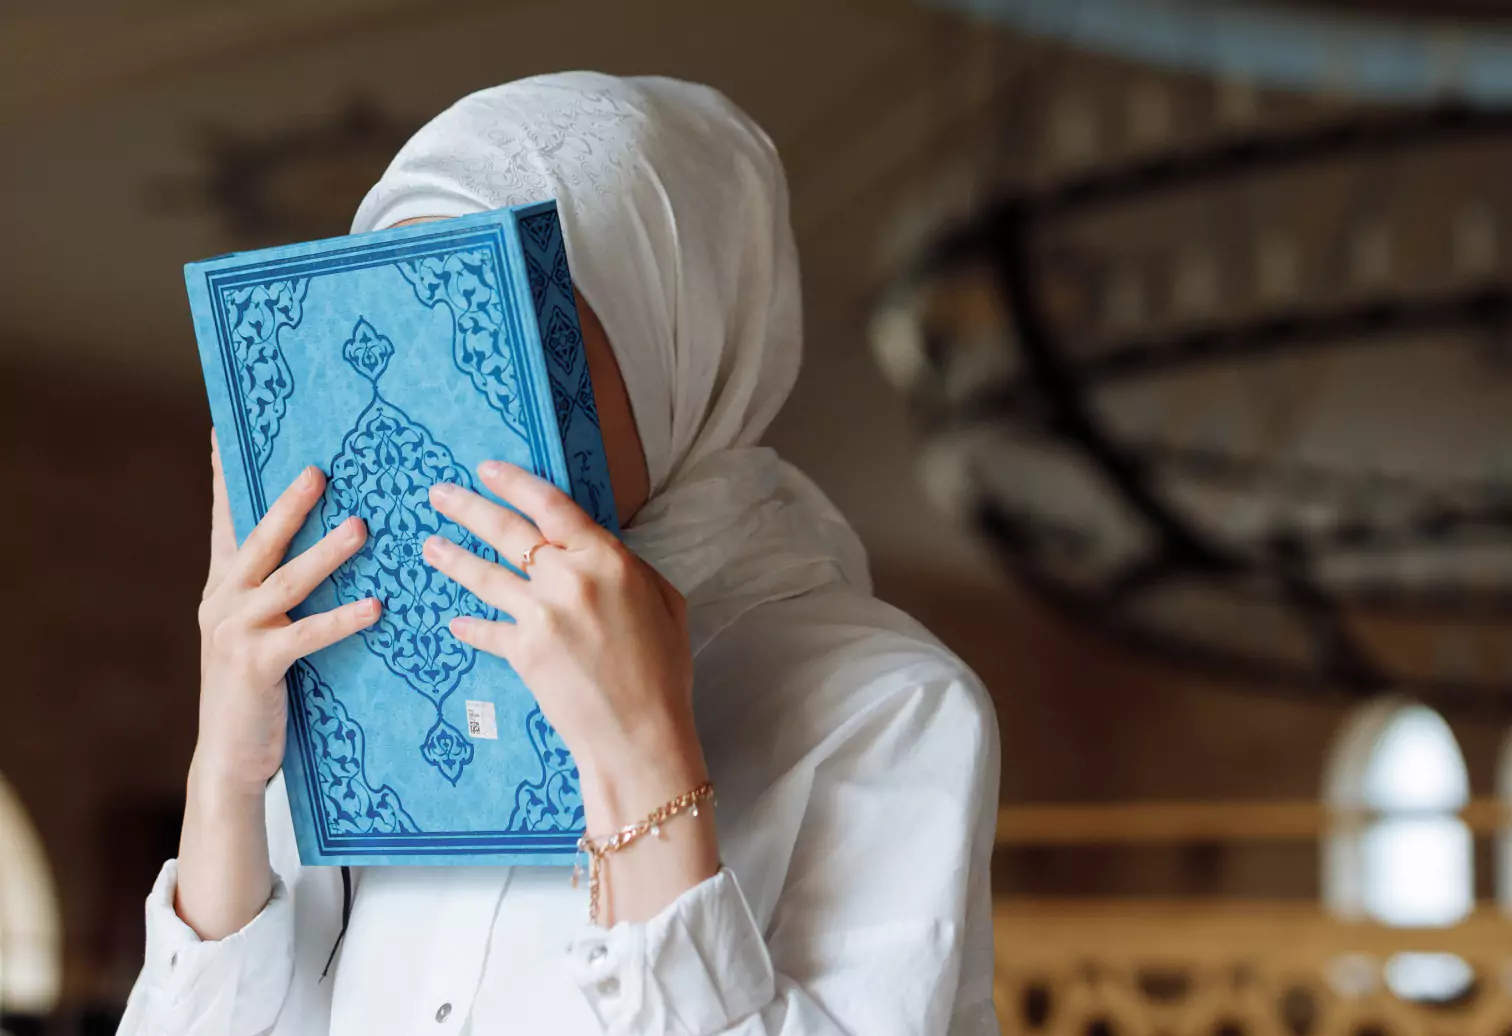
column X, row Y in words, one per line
column 394, row 360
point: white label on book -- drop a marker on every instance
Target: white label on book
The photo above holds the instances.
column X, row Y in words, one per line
column 481, row 724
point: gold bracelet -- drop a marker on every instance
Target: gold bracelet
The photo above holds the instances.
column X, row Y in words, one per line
column 597, row 849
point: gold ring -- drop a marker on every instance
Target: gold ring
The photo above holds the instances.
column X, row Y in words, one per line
column 528, row 558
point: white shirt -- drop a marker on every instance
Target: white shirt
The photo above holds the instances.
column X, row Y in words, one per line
column 856, row 803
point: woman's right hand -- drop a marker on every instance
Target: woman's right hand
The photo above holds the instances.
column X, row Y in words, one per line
column 247, row 640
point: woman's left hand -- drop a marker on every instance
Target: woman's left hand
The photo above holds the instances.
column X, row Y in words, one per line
column 598, row 636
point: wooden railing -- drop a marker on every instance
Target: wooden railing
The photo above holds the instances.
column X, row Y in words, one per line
column 1171, row 823
column 1226, row 967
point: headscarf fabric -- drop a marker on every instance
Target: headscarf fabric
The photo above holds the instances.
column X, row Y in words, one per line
column 674, row 211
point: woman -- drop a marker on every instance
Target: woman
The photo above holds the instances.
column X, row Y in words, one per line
column 841, row 884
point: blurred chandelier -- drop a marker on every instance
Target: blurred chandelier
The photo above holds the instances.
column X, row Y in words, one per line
column 1239, row 395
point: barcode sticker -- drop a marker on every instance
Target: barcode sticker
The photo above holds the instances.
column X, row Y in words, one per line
column 481, row 724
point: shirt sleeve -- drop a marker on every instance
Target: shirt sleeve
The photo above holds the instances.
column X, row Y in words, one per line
column 883, row 925
column 228, row 987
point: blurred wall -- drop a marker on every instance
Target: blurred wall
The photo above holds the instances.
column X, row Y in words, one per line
column 103, row 451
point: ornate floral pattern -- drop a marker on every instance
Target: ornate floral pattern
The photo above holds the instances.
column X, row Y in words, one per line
column 582, row 465
column 563, row 342
column 552, row 803
column 383, row 472
column 351, row 805
column 585, row 397
column 561, row 276
column 382, row 469
column 537, row 278
column 446, row 749
column 561, row 402
column 540, row 230
column 580, row 133
column 467, row 284
column 254, row 316
column 551, row 290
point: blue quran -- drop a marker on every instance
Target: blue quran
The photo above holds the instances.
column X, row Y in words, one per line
column 392, row 361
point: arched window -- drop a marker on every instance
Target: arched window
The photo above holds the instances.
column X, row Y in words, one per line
column 1397, row 851
column 31, row 947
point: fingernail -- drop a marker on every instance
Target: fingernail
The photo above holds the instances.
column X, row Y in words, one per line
column 461, row 626
column 368, row 608
column 443, row 491
column 435, row 546
column 352, row 527
column 307, row 478
column 490, row 469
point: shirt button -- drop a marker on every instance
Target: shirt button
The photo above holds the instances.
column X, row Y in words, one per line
column 609, row 987
column 443, row 1012
column 598, row 953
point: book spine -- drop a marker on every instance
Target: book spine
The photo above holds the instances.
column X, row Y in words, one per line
column 555, row 303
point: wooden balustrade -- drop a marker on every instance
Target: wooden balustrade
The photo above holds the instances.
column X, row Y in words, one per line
column 1227, row 967
column 1177, row 822
column 1232, row 969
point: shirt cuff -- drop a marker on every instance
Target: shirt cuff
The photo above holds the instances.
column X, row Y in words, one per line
column 696, row 968
column 235, row 985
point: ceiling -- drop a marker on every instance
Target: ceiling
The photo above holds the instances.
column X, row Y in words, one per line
column 132, row 134
column 113, row 117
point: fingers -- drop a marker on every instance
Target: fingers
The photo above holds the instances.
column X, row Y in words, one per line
column 496, row 638
column 493, row 584
column 222, row 535
column 292, row 583
column 310, row 634
column 559, row 518
column 504, row 530
column 268, row 543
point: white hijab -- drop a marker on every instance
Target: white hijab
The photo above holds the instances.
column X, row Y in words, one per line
column 674, row 208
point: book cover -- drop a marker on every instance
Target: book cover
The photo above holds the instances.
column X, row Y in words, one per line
column 394, row 360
